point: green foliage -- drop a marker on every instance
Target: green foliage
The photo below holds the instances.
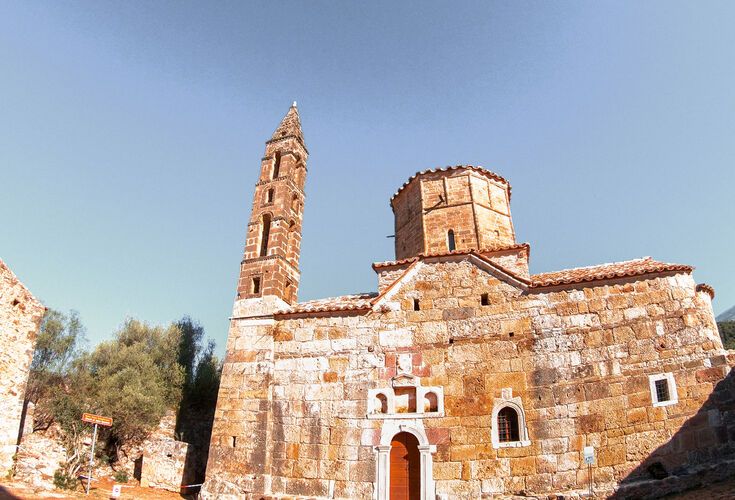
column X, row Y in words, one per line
column 189, row 347
column 203, row 391
column 57, row 348
column 136, row 378
column 727, row 333
column 58, row 342
column 121, row 476
column 64, row 481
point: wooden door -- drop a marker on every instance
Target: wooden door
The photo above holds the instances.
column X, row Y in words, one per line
column 405, row 468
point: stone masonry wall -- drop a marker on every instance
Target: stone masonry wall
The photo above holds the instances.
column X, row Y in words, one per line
column 20, row 317
column 291, row 416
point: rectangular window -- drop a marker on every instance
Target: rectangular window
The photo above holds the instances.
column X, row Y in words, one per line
column 662, row 390
column 484, row 299
column 416, row 305
column 256, row 285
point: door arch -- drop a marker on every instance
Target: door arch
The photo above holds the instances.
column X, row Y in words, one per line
column 405, row 467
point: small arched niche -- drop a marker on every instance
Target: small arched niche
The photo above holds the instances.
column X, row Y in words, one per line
column 381, row 405
column 431, row 402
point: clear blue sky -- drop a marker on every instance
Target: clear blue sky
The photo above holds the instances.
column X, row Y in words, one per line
column 132, row 132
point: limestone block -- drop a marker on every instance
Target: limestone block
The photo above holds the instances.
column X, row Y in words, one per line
column 166, row 465
column 396, row 338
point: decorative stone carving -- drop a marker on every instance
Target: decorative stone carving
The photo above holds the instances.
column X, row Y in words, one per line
column 406, row 398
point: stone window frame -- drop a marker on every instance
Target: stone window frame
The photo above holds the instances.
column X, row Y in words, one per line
column 517, row 405
column 671, row 382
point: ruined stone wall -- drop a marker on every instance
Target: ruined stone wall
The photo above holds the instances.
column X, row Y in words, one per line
column 294, row 393
column 20, row 317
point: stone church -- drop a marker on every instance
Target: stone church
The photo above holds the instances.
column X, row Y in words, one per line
column 463, row 375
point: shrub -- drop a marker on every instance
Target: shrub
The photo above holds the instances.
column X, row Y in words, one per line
column 64, row 481
column 121, row 476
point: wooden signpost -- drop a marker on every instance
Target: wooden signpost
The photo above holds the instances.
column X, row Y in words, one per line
column 91, row 418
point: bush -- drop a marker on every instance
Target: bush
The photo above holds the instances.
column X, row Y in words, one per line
column 64, row 481
column 121, row 476
column 727, row 333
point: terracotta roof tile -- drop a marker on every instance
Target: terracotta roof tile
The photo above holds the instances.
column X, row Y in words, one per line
column 354, row 302
column 481, row 170
column 704, row 287
column 393, row 263
column 613, row 270
column 630, row 268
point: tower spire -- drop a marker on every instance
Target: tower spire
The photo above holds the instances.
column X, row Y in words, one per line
column 290, row 125
column 270, row 265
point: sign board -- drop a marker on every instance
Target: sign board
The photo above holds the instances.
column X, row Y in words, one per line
column 91, row 418
column 589, row 455
column 116, row 490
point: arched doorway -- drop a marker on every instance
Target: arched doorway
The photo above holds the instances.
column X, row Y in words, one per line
column 405, row 467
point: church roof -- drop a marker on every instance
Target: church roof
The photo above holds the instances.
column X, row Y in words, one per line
column 628, row 268
column 290, row 125
column 343, row 303
column 577, row 275
column 480, row 170
column 394, row 263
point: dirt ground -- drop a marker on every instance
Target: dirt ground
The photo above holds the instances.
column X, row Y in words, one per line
column 101, row 489
column 724, row 490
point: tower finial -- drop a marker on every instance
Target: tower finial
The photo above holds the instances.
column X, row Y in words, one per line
column 294, row 104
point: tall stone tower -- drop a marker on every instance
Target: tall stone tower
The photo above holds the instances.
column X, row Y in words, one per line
column 270, row 265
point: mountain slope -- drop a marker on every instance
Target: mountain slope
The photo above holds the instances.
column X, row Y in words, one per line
column 728, row 315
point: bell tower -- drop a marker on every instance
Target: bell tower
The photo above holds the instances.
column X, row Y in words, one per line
column 270, row 265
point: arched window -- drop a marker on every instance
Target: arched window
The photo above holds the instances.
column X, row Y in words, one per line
column 276, row 164
column 265, row 230
column 450, row 240
column 508, row 428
